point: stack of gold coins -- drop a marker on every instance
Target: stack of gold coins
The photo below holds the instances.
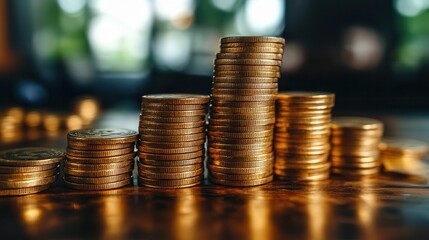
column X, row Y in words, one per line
column 172, row 136
column 242, row 114
column 28, row 170
column 402, row 155
column 354, row 151
column 302, row 130
column 99, row 159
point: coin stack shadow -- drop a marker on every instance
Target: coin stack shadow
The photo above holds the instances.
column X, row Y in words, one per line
column 242, row 116
column 99, row 159
column 28, row 170
column 355, row 141
column 172, row 136
column 301, row 138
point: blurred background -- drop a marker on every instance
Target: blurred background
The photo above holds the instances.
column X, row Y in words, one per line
column 63, row 62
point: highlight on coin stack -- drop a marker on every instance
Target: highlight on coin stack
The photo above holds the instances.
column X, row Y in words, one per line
column 99, row 159
column 242, row 112
column 355, row 141
column 28, row 170
column 301, row 138
column 171, row 140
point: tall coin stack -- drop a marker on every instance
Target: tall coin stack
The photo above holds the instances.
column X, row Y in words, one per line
column 99, row 159
column 172, row 136
column 28, row 170
column 355, row 141
column 302, row 130
column 242, row 116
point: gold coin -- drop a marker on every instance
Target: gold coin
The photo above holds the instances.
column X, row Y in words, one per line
column 176, row 98
column 245, row 85
column 304, row 120
column 172, row 157
column 356, row 123
column 175, row 163
column 302, row 127
column 350, row 172
column 99, row 173
column 174, row 138
column 255, row 116
column 170, row 150
column 101, row 186
column 239, row 164
column 234, row 122
column 254, row 39
column 146, row 173
column 304, row 145
column 354, row 148
column 172, row 107
column 306, row 177
column 248, row 61
column 252, row 50
column 29, row 176
column 246, row 68
column 240, row 147
column 244, row 80
column 30, row 157
column 404, row 146
column 234, row 104
column 249, row 158
column 101, row 160
column 302, row 148
column 171, row 183
column 96, row 167
column 101, row 153
column 17, row 169
column 303, row 108
column 262, row 56
column 98, row 147
column 290, row 131
column 253, row 44
column 303, row 113
column 356, row 141
column 160, row 119
column 246, row 74
column 343, row 164
column 173, row 144
column 303, row 159
column 241, row 177
column 231, row 111
column 158, row 125
column 247, row 92
column 97, row 180
column 242, row 183
column 357, row 134
column 160, row 113
column 175, row 169
column 354, row 159
column 304, row 152
column 239, row 141
column 323, row 166
column 102, row 136
column 340, row 153
column 23, row 191
column 170, row 132
column 231, row 129
column 239, row 98
column 27, row 183
column 302, row 96
column 170, row 169
column 300, row 157
column 234, row 153
column 258, row 134
column 240, row 170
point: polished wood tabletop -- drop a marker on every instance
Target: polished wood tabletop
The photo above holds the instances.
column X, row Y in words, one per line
column 391, row 206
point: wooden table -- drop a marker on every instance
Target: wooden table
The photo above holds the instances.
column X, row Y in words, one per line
column 383, row 208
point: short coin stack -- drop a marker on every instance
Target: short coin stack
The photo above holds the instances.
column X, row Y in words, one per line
column 172, row 136
column 302, row 130
column 99, row 159
column 28, row 170
column 242, row 114
column 403, row 155
column 354, row 151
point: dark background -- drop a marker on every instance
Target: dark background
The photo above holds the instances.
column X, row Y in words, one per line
column 373, row 54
